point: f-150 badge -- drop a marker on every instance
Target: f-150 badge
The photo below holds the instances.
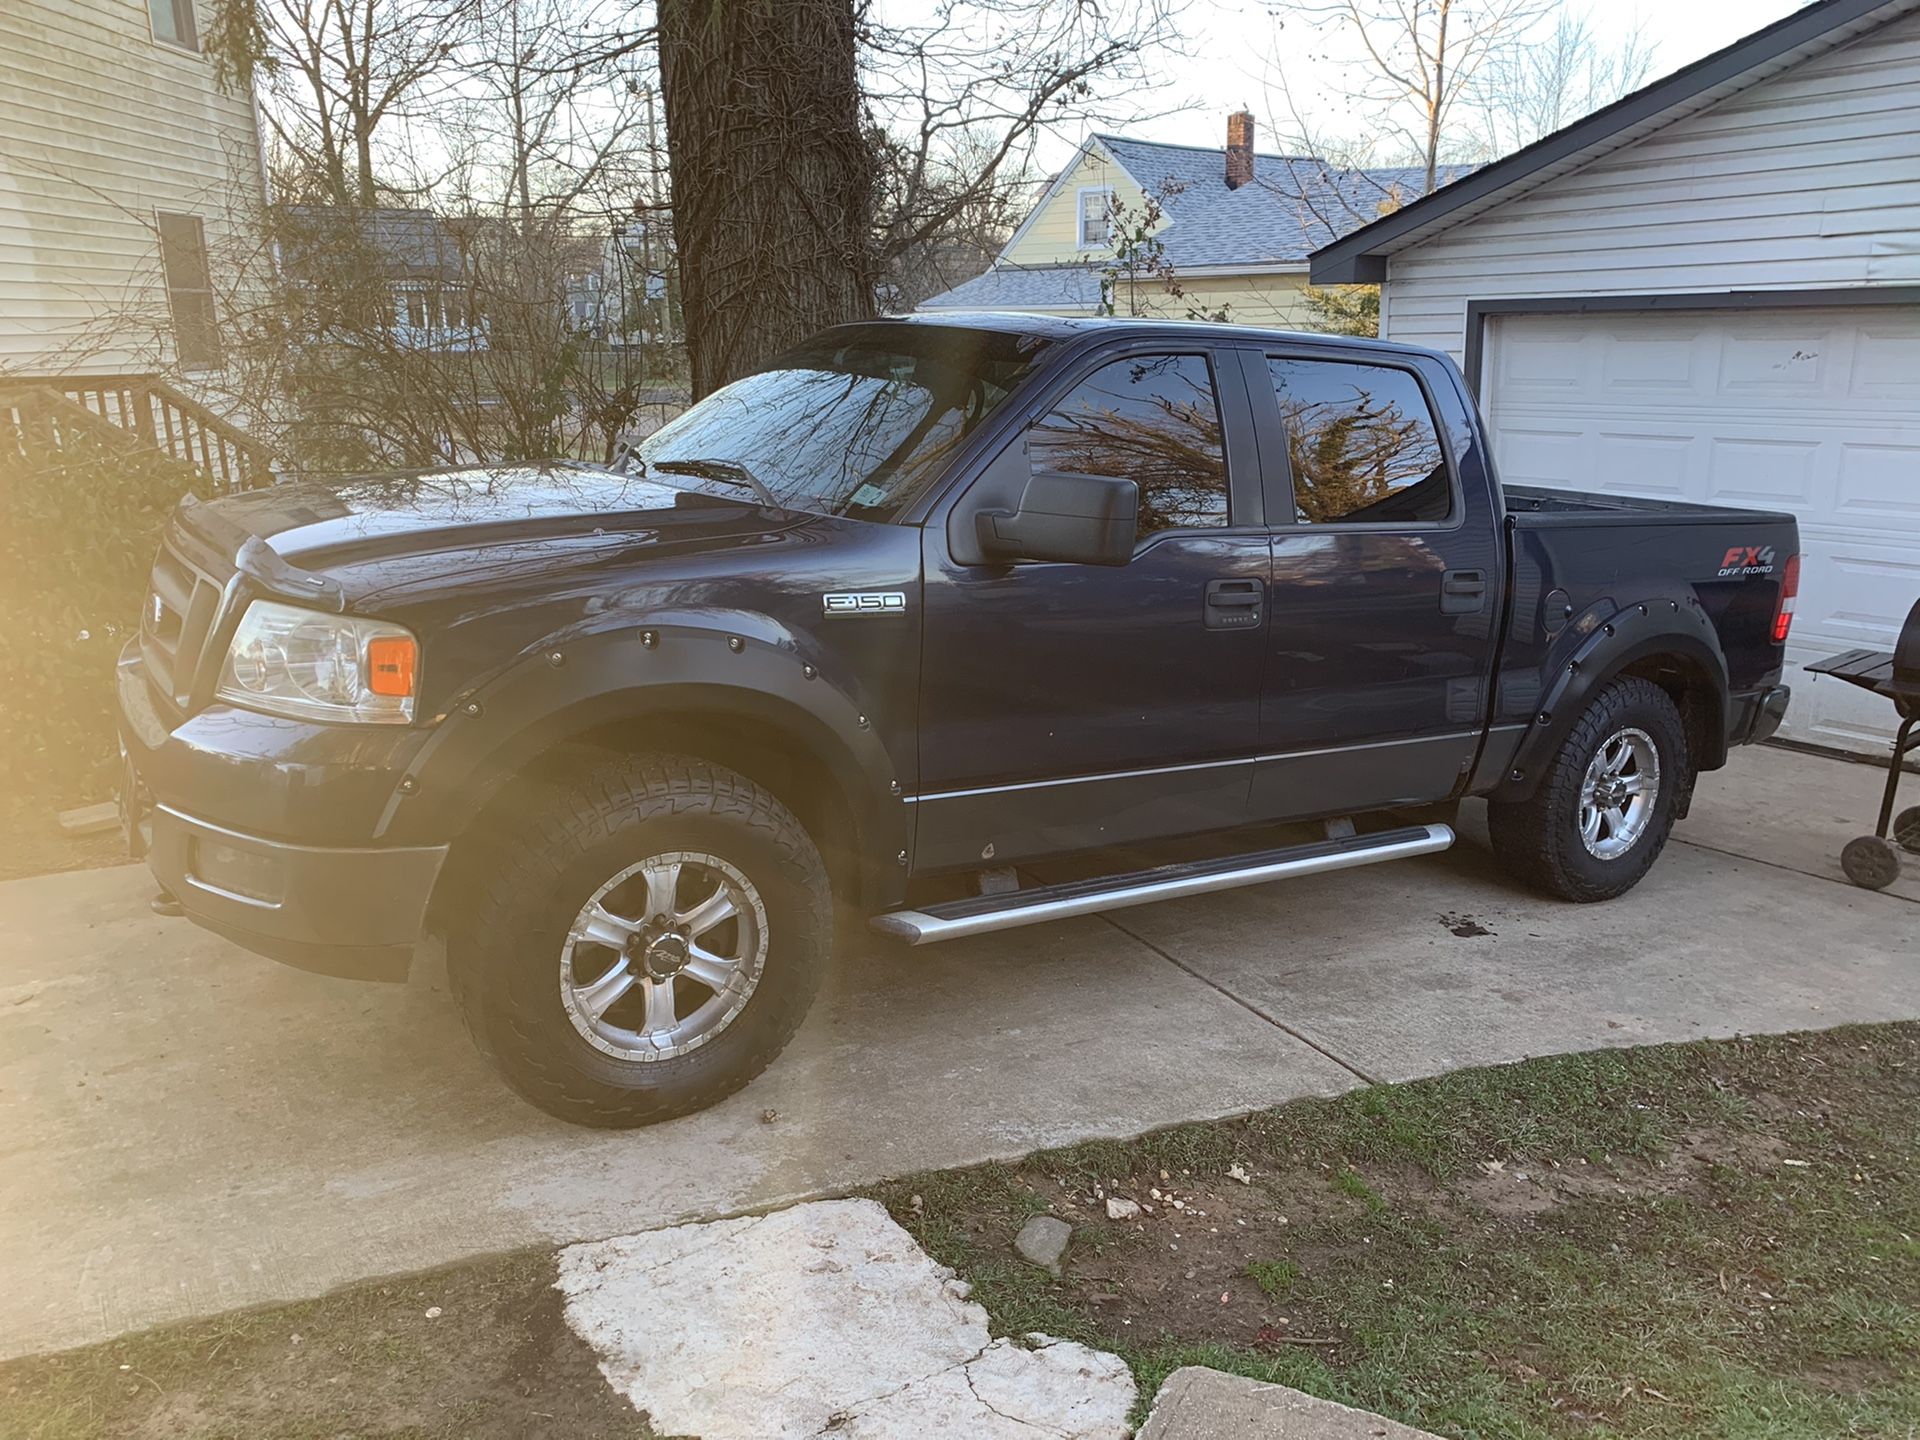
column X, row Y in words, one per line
column 865, row 602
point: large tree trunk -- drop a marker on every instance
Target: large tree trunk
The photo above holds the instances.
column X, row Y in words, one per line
column 772, row 176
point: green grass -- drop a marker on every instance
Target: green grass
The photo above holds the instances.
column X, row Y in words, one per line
column 1275, row 1278
column 1687, row 1282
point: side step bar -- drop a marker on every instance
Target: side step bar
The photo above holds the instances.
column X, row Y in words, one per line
column 981, row 913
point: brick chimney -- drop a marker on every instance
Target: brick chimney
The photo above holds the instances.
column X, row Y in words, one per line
column 1239, row 148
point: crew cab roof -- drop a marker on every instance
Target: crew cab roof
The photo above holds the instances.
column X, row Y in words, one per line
column 1064, row 327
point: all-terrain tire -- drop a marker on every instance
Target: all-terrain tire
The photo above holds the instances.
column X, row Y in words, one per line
column 505, row 948
column 1539, row 839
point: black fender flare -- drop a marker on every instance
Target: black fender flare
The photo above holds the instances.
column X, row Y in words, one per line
column 721, row 662
column 1634, row 632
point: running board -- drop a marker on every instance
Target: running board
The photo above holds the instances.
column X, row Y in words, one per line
column 982, row 913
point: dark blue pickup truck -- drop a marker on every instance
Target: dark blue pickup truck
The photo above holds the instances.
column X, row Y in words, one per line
column 901, row 622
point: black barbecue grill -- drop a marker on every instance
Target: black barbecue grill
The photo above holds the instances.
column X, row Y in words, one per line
column 1874, row 860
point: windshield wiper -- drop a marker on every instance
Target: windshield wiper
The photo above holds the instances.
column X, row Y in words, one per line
column 727, row 472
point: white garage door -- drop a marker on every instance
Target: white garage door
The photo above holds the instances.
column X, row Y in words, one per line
column 1813, row 411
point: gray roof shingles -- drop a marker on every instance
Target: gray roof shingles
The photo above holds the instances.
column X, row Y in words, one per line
column 1292, row 207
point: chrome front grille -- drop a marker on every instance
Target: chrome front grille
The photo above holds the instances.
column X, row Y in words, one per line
column 181, row 607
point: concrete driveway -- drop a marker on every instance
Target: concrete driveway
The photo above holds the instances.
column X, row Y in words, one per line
column 185, row 1129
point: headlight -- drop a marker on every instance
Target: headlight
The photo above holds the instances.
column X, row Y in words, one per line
column 289, row 661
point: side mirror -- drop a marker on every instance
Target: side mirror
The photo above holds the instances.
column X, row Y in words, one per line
column 1075, row 519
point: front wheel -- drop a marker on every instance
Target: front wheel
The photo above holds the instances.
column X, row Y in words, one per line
column 646, row 941
column 1602, row 811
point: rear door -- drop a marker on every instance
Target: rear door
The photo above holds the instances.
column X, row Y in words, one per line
column 1385, row 585
column 1071, row 707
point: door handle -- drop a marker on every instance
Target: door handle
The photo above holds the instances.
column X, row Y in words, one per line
column 1234, row 604
column 1462, row 592
column 1228, row 598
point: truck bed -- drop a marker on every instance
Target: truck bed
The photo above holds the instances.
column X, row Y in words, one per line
column 1537, row 507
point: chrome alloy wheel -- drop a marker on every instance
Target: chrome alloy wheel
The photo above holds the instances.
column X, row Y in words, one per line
column 1618, row 795
column 663, row 956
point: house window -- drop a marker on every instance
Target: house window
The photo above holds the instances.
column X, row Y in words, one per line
column 173, row 22
column 1363, row 444
column 183, row 259
column 1151, row 419
column 1096, row 211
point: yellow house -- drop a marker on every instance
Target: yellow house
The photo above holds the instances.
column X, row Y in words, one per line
column 124, row 171
column 1228, row 232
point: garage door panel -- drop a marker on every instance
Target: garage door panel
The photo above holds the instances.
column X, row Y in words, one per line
column 1778, row 365
column 1650, row 464
column 1812, row 411
column 1775, row 472
column 1879, row 485
column 1551, row 364
column 1853, row 593
column 1668, row 364
column 1887, row 364
column 1544, row 457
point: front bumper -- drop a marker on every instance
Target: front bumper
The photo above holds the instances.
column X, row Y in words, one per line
column 1754, row 715
column 340, row 908
column 351, row 913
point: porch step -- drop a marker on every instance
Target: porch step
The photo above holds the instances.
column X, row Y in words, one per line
column 978, row 914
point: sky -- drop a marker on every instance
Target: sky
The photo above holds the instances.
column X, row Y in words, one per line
column 1234, row 48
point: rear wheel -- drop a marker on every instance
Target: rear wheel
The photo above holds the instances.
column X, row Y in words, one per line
column 1602, row 811
column 645, row 942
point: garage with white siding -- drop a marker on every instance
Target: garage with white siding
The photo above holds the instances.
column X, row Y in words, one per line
column 1709, row 291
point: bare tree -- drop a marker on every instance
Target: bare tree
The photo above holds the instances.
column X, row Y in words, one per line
column 339, row 71
column 1422, row 59
column 961, row 98
column 1529, row 91
column 813, row 146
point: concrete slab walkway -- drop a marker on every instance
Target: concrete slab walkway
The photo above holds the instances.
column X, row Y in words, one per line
column 186, row 1129
column 823, row 1319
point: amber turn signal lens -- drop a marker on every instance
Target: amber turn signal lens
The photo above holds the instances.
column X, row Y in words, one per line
column 391, row 663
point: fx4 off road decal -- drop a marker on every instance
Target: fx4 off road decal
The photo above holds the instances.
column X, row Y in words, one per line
column 1747, row 560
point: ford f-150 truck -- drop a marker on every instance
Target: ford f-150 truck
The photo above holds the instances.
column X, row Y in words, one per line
column 957, row 624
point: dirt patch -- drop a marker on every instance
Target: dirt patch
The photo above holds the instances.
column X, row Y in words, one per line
column 32, row 842
column 481, row 1350
column 1650, row 1240
column 1518, row 1189
column 1465, row 926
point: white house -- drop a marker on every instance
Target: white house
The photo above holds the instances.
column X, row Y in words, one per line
column 1708, row 291
column 124, row 167
column 130, row 191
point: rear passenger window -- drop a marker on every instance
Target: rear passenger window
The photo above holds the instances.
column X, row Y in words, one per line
column 1363, row 444
column 1151, row 419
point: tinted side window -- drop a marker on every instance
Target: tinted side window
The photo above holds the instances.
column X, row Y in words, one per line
column 1151, row 419
column 1363, row 443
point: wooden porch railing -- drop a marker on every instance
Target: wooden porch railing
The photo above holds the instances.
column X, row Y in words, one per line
column 155, row 414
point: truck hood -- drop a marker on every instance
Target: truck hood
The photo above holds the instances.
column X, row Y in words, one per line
column 328, row 525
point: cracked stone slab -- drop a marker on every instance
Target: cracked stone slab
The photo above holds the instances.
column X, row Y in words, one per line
column 1196, row 1403
column 823, row 1319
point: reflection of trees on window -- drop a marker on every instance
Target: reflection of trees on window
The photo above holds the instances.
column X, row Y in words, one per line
column 1149, row 419
column 854, row 429
column 1362, row 442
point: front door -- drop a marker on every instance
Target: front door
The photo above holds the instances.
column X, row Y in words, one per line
column 1385, row 584
column 1071, row 707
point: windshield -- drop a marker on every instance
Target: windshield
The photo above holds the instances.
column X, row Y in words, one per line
column 858, row 422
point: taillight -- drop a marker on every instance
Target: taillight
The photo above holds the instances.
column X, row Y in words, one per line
column 1789, row 588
